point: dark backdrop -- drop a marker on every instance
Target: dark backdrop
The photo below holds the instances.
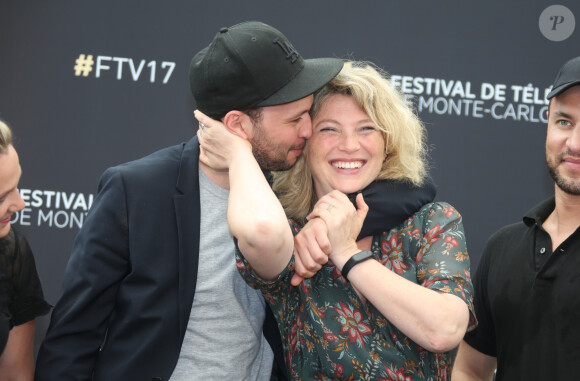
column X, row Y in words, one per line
column 476, row 71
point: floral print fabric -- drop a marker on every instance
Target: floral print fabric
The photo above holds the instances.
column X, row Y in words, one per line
column 328, row 333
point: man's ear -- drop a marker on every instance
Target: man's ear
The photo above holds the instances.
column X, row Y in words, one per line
column 237, row 123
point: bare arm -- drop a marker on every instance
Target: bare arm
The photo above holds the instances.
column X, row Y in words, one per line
column 435, row 320
column 472, row 365
column 257, row 219
column 255, row 215
column 16, row 362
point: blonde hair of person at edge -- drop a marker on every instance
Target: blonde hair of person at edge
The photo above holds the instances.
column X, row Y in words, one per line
column 391, row 306
column 21, row 298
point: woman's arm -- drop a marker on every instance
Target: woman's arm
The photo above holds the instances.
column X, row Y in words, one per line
column 16, row 362
column 257, row 219
column 435, row 320
column 472, row 365
column 255, row 215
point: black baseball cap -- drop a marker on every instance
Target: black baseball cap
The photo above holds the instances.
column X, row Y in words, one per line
column 568, row 76
column 253, row 65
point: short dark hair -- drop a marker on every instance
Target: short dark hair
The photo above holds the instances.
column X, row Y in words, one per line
column 255, row 113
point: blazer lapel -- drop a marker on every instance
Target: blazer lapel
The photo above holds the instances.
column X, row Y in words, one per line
column 187, row 212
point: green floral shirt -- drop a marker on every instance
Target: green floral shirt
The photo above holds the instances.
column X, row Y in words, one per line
column 329, row 334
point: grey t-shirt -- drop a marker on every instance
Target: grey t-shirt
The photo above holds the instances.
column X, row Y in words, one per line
column 224, row 339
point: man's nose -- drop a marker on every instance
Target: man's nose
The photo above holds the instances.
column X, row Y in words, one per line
column 305, row 129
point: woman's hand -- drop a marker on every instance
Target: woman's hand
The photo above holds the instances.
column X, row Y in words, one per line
column 311, row 250
column 218, row 145
column 343, row 221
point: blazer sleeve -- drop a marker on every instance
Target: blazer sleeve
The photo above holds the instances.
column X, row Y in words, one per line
column 391, row 202
column 98, row 263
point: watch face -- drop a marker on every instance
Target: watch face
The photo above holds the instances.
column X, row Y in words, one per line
column 363, row 255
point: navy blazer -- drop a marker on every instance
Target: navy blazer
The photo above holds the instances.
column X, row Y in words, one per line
column 130, row 281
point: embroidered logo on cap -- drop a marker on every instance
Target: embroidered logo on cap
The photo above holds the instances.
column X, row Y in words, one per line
column 288, row 49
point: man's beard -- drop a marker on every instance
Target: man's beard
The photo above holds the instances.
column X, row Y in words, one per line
column 570, row 186
column 270, row 157
column 267, row 162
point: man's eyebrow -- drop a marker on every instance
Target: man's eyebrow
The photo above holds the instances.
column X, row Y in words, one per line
column 563, row 114
column 298, row 114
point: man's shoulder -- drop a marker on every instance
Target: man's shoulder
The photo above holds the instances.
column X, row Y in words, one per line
column 510, row 231
column 158, row 163
column 506, row 244
column 164, row 156
column 158, row 170
column 536, row 214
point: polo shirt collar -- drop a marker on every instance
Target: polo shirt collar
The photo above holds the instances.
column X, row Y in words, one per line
column 539, row 213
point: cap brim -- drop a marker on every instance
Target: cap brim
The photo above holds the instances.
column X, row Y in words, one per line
column 315, row 74
column 560, row 89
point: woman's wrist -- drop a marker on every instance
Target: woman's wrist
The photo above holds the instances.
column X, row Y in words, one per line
column 241, row 154
column 355, row 260
column 343, row 255
column 241, row 148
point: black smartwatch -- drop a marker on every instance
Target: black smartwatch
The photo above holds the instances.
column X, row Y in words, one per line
column 355, row 260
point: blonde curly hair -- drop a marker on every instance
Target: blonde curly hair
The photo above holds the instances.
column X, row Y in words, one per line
column 5, row 137
column 403, row 133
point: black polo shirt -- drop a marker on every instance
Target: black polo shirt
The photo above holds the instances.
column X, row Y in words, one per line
column 527, row 301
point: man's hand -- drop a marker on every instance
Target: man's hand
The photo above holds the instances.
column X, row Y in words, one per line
column 311, row 250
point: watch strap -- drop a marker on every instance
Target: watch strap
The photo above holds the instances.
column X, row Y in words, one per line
column 355, row 260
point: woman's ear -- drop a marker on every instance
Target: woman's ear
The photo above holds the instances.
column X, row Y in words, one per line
column 237, row 123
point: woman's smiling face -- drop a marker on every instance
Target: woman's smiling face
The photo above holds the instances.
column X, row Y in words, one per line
column 346, row 151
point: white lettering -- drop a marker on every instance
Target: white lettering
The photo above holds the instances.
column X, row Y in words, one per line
column 120, row 61
column 516, row 89
column 136, row 73
column 48, row 195
column 101, row 66
column 171, row 66
column 81, row 203
column 152, row 65
column 44, row 217
column 37, row 197
column 68, row 202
